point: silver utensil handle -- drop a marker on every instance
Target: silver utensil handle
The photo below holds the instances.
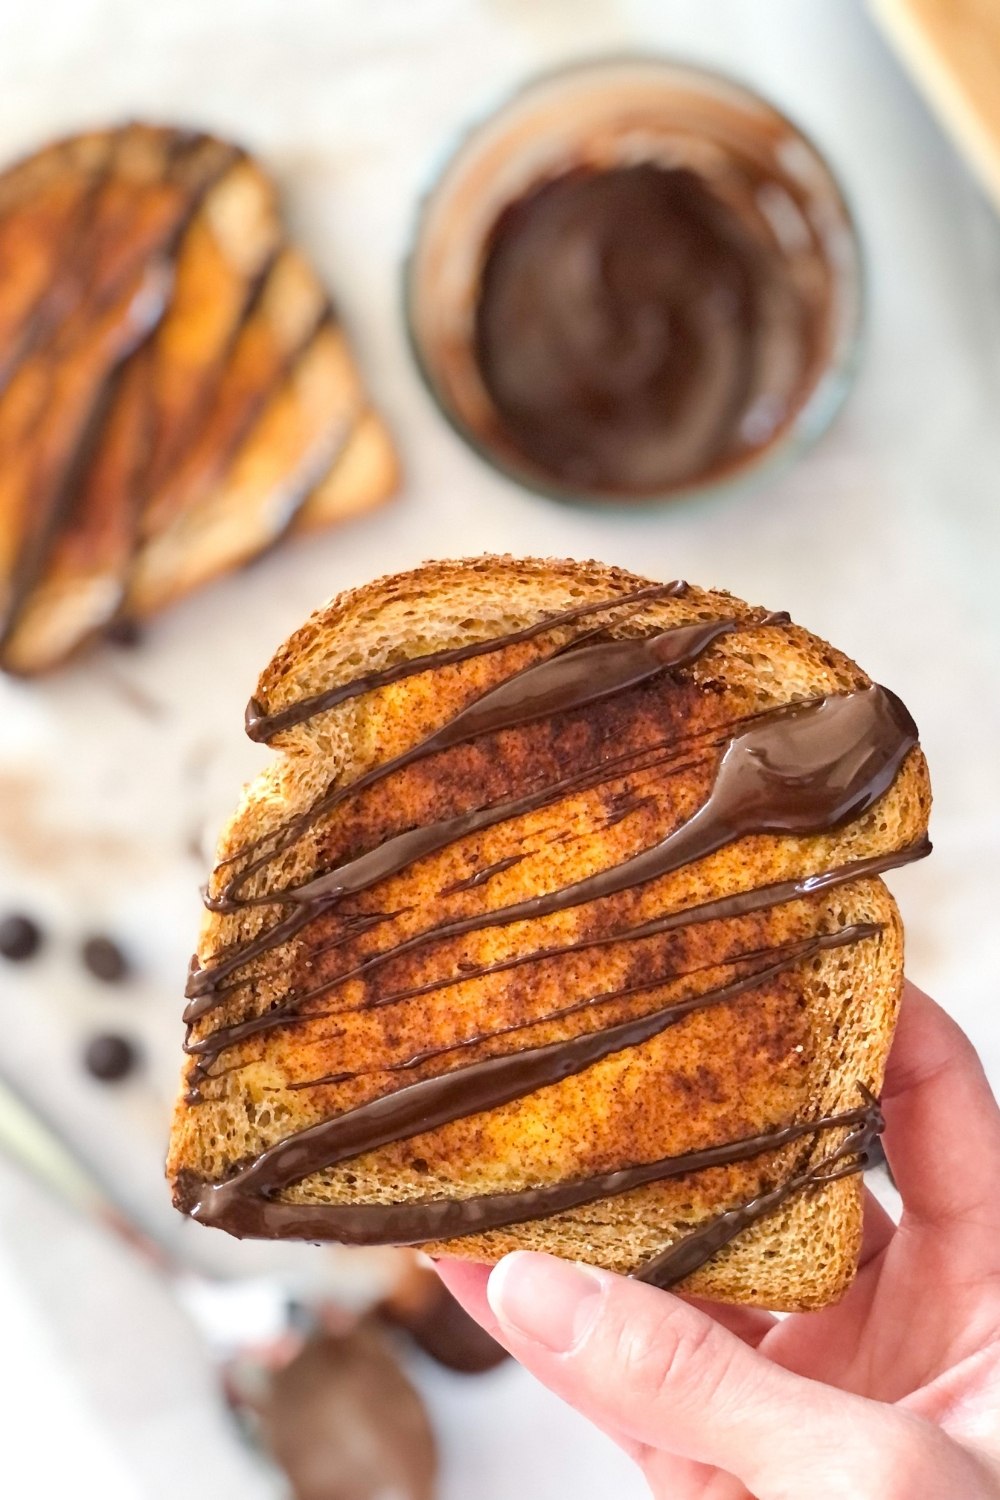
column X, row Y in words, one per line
column 41, row 1151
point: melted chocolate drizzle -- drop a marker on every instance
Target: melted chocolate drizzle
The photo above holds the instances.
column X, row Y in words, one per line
column 701, row 1244
column 486, row 1085
column 741, row 903
column 255, row 1216
column 803, row 768
column 568, row 680
column 262, row 726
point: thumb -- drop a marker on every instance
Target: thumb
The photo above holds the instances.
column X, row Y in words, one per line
column 647, row 1364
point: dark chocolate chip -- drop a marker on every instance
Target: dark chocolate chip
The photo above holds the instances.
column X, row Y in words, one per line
column 124, row 632
column 20, row 937
column 104, row 959
column 110, row 1057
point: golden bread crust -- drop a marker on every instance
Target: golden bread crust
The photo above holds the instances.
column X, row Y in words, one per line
column 793, row 1047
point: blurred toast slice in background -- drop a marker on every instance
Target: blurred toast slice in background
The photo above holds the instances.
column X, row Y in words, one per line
column 289, row 447
column 158, row 402
column 174, row 390
column 363, row 472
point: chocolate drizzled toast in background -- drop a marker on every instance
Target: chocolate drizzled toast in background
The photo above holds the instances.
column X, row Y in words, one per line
column 555, row 923
column 175, row 390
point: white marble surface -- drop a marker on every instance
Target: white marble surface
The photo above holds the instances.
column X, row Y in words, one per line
column 886, row 538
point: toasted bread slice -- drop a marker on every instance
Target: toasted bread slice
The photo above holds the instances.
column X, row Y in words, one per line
column 418, row 974
column 286, row 452
column 158, row 400
column 65, row 394
column 109, row 289
column 170, row 378
column 365, row 471
column 45, row 201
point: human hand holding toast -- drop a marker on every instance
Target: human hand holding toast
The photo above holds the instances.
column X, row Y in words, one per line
column 894, row 1392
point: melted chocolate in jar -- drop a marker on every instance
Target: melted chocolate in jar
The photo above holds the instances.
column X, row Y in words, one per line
column 638, row 332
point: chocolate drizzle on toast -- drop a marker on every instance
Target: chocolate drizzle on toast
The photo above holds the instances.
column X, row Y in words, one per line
column 804, row 768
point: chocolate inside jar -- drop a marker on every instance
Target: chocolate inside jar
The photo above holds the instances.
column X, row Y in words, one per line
column 643, row 329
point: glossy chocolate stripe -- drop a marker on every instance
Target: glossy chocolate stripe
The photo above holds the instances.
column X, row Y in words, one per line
column 560, row 682
column 801, row 769
column 741, row 903
column 604, row 997
column 407, row 846
column 571, row 680
column 485, row 1085
column 414, row 1223
column 691, row 1252
column 552, row 792
column 263, row 726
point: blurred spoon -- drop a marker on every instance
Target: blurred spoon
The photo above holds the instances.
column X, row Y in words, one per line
column 322, row 1397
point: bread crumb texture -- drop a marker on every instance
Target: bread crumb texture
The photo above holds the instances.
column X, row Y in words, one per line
column 794, row 1047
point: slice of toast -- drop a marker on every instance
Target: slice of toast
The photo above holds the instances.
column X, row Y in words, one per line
column 64, row 392
column 160, row 397
column 170, row 380
column 305, row 1011
column 365, row 470
column 289, row 448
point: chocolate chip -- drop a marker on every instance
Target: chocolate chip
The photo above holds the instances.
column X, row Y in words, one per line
column 104, row 959
column 124, row 632
column 20, row 937
column 110, row 1057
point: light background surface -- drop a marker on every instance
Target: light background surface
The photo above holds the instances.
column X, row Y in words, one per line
column 886, row 539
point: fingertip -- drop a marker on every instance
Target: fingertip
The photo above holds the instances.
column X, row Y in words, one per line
column 550, row 1302
column 498, row 1277
column 497, row 1280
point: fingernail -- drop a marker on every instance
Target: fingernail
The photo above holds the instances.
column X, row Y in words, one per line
column 553, row 1302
